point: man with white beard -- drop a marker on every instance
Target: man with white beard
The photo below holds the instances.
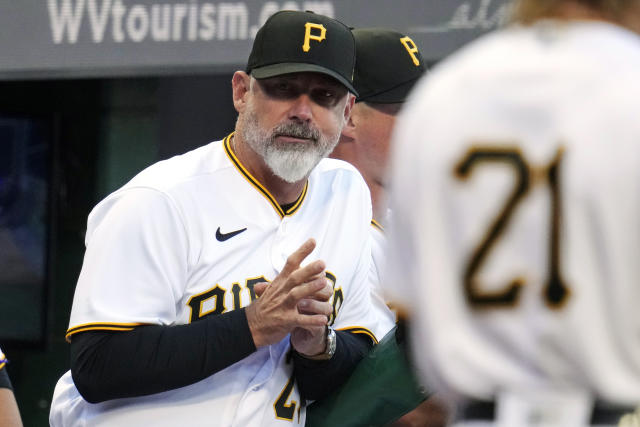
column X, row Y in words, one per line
column 166, row 324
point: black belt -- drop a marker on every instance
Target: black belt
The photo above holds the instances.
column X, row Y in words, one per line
column 602, row 413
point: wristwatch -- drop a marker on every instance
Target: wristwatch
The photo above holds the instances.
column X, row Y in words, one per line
column 330, row 348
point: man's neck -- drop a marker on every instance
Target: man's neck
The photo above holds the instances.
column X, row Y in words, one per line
column 284, row 192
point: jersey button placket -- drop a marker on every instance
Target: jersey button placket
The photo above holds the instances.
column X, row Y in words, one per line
column 279, row 249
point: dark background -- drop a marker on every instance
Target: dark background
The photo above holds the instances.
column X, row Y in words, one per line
column 103, row 132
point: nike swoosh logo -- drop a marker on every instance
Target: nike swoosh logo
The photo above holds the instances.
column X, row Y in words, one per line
column 221, row 237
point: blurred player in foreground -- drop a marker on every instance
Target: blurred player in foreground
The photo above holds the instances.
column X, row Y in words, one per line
column 166, row 326
column 515, row 232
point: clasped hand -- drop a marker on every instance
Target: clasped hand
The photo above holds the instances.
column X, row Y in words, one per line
column 295, row 302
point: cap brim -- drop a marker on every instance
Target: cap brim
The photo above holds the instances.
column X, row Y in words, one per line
column 391, row 96
column 274, row 70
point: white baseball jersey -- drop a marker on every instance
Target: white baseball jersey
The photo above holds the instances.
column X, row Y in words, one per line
column 191, row 236
column 516, row 201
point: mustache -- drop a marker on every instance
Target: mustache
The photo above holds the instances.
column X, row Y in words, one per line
column 296, row 130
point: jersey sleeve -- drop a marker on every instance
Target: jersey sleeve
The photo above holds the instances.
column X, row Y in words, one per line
column 386, row 316
column 356, row 313
column 135, row 264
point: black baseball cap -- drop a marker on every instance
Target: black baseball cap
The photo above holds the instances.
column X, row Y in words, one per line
column 295, row 42
column 388, row 64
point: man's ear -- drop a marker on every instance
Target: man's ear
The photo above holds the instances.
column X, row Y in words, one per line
column 348, row 108
column 240, row 85
column 349, row 130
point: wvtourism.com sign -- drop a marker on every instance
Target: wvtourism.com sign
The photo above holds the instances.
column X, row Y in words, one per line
column 63, row 38
column 163, row 22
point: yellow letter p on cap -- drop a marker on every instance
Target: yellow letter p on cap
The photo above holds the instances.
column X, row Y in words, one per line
column 308, row 36
column 411, row 48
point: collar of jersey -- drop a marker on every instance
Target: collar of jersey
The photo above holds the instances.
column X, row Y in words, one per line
column 258, row 186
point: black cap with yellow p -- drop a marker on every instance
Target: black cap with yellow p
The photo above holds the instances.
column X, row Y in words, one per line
column 295, row 42
column 388, row 64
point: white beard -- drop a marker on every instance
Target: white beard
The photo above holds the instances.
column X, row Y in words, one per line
column 291, row 162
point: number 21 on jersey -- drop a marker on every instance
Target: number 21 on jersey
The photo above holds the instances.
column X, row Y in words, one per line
column 556, row 292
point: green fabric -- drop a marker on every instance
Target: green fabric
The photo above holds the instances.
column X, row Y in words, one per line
column 381, row 389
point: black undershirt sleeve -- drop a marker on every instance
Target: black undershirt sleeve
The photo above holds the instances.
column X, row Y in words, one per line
column 5, row 382
column 150, row 359
column 318, row 378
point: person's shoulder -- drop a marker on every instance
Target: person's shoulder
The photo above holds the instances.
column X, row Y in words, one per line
column 484, row 52
column 457, row 72
column 609, row 39
column 618, row 54
column 334, row 169
column 603, row 61
column 181, row 169
column 168, row 179
column 330, row 165
column 333, row 176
